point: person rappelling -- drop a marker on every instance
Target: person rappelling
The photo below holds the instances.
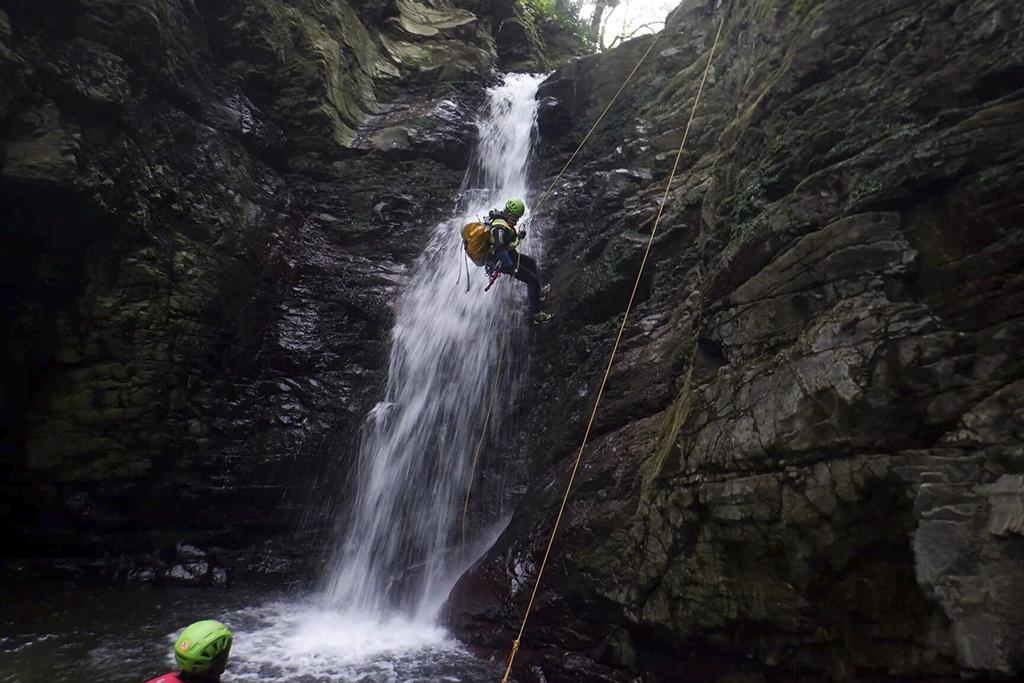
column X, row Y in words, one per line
column 493, row 245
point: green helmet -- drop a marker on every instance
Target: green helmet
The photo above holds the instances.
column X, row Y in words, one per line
column 202, row 645
column 515, row 206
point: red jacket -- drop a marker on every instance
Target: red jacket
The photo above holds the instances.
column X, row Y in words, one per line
column 166, row 678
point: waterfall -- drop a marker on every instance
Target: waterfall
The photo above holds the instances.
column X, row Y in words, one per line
column 399, row 547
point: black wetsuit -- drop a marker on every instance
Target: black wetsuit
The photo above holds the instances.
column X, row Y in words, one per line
column 521, row 267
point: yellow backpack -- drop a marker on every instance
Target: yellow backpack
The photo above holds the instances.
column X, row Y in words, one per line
column 476, row 239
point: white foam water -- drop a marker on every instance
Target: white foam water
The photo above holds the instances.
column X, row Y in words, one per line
column 399, row 552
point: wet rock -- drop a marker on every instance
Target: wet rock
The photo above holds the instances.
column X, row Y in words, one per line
column 612, row 188
column 519, row 42
column 553, row 118
column 442, row 130
column 318, row 70
column 276, row 52
column 192, row 573
column 561, row 89
column 809, row 442
column 1006, row 500
column 840, row 261
column 426, row 20
column 966, row 570
column 45, row 152
column 191, row 552
column 202, row 268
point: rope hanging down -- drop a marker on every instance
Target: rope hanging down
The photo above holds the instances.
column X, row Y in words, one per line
column 501, row 353
column 487, row 418
column 604, row 380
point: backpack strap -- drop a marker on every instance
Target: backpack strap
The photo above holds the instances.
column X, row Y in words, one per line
column 501, row 223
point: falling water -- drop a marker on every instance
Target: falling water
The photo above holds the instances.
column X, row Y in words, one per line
column 400, row 551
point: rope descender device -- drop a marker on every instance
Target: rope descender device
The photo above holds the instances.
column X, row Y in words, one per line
column 494, row 277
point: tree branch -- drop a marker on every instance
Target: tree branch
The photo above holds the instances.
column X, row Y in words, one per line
column 622, row 37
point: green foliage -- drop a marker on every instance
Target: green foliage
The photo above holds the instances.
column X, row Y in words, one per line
column 748, row 203
column 560, row 13
column 543, row 6
column 694, row 198
column 618, row 125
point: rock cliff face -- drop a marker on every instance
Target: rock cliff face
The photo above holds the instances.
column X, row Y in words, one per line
column 809, row 459
column 208, row 206
column 808, row 463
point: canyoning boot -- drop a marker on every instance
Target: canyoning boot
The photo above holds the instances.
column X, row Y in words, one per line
column 541, row 318
column 544, row 291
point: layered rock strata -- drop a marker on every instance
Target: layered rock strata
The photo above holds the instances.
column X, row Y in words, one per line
column 807, row 463
column 209, row 207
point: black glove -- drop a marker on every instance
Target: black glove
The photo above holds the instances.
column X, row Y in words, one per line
column 522, row 234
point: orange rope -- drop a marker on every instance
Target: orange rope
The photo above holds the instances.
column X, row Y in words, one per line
column 604, row 380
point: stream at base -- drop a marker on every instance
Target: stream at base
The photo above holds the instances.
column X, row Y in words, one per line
column 126, row 635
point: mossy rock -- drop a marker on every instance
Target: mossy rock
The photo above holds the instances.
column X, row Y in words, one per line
column 423, row 20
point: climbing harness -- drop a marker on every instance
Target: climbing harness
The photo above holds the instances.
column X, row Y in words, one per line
column 494, row 276
column 516, row 643
column 476, row 246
